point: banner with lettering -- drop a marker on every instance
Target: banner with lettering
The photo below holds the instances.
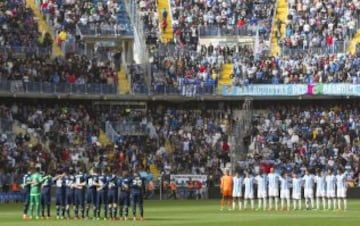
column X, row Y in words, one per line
column 335, row 89
column 183, row 179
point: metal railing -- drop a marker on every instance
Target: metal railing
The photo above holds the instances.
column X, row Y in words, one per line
column 105, row 30
column 111, row 133
column 336, row 47
column 19, row 86
column 218, row 30
column 129, row 128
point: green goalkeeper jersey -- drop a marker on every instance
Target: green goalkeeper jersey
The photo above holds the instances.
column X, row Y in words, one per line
column 35, row 188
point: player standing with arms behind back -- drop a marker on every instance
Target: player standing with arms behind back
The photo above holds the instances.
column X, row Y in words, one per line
column 341, row 187
column 285, row 191
column 308, row 189
column 237, row 190
column 137, row 192
column 226, row 185
column 330, row 188
column 296, row 191
column 35, row 182
column 249, row 190
column 273, row 188
column 261, row 181
column 320, row 189
column 124, row 196
column 26, row 185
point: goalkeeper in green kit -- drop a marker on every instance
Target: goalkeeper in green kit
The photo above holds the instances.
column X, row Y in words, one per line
column 35, row 181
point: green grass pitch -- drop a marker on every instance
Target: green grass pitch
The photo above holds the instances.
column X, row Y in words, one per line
column 199, row 213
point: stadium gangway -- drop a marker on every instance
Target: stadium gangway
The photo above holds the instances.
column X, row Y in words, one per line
column 19, row 86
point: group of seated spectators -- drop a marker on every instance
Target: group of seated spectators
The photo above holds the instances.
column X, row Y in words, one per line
column 295, row 69
column 320, row 23
column 100, row 15
column 75, row 70
column 19, row 30
column 211, row 15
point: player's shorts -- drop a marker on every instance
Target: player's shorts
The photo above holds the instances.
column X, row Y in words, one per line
column 237, row 194
column 341, row 193
column 296, row 195
column 285, row 193
column 261, row 194
column 308, row 193
column 227, row 193
column 273, row 192
column 330, row 194
column 249, row 195
column 320, row 193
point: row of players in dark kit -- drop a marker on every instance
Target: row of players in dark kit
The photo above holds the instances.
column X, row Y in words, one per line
column 86, row 191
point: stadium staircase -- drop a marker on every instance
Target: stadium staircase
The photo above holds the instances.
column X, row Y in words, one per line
column 44, row 27
column 103, row 139
column 352, row 45
column 18, row 129
column 155, row 171
column 225, row 78
column 281, row 14
column 123, row 82
column 168, row 34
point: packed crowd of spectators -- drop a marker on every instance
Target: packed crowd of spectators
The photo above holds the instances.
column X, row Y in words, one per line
column 309, row 136
column 19, row 29
column 229, row 15
column 75, row 70
column 107, row 16
column 180, row 140
column 295, row 69
column 320, row 23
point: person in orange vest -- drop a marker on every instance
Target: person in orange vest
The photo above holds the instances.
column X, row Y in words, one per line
column 190, row 187
column 150, row 189
column 165, row 189
column 173, row 190
column 226, row 189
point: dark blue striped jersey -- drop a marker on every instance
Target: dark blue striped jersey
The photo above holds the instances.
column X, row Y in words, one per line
column 102, row 180
column 79, row 179
column 124, row 184
column 112, row 182
column 90, row 181
column 69, row 181
column 26, row 180
column 137, row 184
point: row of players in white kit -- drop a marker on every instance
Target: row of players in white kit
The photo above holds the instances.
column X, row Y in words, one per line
column 330, row 187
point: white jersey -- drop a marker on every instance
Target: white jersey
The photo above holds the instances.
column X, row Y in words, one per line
column 308, row 186
column 273, row 185
column 249, row 187
column 285, row 187
column 261, row 186
column 237, row 186
column 320, row 186
column 330, row 186
column 296, row 188
column 341, row 185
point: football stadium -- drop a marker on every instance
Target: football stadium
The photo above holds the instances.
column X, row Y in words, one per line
column 179, row 112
